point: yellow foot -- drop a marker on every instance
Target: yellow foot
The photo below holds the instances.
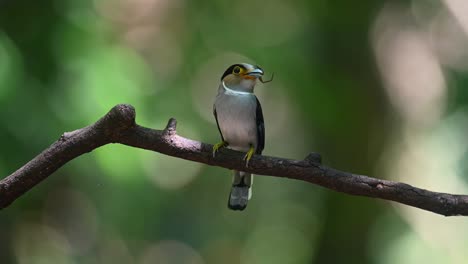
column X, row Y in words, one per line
column 249, row 155
column 218, row 146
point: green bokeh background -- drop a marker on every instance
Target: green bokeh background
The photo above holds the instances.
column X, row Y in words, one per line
column 64, row 64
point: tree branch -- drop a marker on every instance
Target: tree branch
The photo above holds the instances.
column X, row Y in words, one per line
column 118, row 126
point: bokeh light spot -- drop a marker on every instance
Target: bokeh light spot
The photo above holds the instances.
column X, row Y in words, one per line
column 276, row 244
column 73, row 215
column 459, row 8
column 411, row 72
column 170, row 252
column 121, row 162
column 34, row 243
column 114, row 250
column 102, row 78
column 171, row 173
column 257, row 23
column 449, row 41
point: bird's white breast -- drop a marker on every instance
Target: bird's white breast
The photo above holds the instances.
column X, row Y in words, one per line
column 236, row 118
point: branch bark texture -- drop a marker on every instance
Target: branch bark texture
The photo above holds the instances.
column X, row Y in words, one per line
column 118, row 126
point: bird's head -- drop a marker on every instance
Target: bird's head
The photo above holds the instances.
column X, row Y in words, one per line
column 242, row 77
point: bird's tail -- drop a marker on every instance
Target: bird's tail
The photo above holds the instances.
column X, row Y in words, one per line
column 241, row 190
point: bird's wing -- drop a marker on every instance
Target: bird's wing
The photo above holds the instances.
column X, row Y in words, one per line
column 217, row 123
column 260, row 128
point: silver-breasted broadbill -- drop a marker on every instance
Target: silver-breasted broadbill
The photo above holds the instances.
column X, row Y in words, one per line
column 239, row 117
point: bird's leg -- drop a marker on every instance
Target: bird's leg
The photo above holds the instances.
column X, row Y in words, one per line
column 218, row 146
column 249, row 155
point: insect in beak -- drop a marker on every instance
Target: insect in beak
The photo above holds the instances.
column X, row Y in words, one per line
column 267, row 81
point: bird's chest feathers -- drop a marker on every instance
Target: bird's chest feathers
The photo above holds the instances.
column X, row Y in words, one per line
column 236, row 118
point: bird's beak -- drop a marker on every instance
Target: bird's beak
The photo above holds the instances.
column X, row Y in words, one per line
column 256, row 72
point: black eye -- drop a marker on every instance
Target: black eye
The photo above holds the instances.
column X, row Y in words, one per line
column 236, row 70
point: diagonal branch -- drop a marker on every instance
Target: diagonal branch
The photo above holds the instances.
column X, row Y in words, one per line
column 118, row 126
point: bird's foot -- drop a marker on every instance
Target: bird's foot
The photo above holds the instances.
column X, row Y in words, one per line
column 218, row 146
column 249, row 155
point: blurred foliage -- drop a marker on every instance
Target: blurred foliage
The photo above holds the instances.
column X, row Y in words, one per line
column 376, row 87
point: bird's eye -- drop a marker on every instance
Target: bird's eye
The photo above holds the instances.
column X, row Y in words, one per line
column 236, row 70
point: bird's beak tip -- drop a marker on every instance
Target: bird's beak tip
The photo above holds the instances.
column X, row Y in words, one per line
column 256, row 72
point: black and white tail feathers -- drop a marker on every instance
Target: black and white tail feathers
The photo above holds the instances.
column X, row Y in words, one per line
column 241, row 190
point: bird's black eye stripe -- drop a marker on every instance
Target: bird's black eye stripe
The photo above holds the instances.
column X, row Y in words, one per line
column 230, row 70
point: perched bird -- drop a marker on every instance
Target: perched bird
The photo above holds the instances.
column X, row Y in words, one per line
column 239, row 117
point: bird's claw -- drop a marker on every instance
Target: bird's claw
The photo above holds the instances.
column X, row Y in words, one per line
column 218, row 146
column 248, row 156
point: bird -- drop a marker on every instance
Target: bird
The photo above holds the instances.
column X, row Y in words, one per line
column 240, row 122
